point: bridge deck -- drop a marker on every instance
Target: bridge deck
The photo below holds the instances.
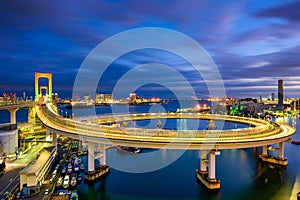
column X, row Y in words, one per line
column 263, row 132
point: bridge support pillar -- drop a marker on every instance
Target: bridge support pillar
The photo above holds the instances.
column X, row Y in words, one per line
column 13, row 115
column 280, row 160
column 281, row 150
column 96, row 151
column 208, row 178
column 212, row 165
column 101, row 154
column 54, row 139
column 48, row 138
column 203, row 161
column 265, row 150
column 91, row 156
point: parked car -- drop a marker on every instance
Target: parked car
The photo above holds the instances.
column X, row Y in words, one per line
column 46, row 192
column 18, row 196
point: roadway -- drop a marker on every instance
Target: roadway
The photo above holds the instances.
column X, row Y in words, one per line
column 261, row 133
column 10, row 179
column 18, row 104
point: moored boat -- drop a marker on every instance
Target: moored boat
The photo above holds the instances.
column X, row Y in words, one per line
column 79, row 178
column 76, row 168
column 74, row 195
column 69, row 171
column 81, row 167
column 73, row 181
column 295, row 142
column 130, row 149
column 59, row 182
column 66, row 182
column 64, row 170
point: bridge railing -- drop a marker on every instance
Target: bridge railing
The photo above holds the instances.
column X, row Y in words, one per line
column 158, row 134
column 17, row 102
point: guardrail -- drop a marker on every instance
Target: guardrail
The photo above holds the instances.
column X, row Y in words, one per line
column 5, row 105
column 261, row 129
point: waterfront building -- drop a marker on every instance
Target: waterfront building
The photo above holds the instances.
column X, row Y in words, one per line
column 8, row 139
column 280, row 94
column 75, row 97
column 32, row 176
column 87, row 97
column 273, row 96
column 104, row 98
column 133, row 98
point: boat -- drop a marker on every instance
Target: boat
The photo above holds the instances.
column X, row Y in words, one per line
column 130, row 149
column 74, row 195
column 66, row 182
column 80, row 153
column 69, row 171
column 59, row 182
column 76, row 165
column 81, row 167
column 76, row 168
column 79, row 178
column 295, row 142
column 74, row 146
column 73, row 181
column 64, row 170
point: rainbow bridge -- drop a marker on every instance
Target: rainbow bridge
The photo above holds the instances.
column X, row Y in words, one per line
column 101, row 132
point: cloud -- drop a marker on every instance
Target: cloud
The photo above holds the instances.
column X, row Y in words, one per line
column 253, row 44
column 288, row 12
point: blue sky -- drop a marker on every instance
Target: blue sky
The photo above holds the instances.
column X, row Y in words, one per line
column 253, row 43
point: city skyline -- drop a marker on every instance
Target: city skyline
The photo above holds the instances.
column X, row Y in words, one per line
column 252, row 44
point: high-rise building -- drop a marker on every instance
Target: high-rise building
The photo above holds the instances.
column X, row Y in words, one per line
column 104, row 98
column 133, row 98
column 87, row 97
column 280, row 94
column 272, row 96
column 260, row 98
column 75, row 97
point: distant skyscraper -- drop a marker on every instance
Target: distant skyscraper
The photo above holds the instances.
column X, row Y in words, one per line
column 272, row 96
column 280, row 94
column 133, row 98
column 103, row 98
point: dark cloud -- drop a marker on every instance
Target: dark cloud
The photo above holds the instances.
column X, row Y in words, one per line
column 288, row 11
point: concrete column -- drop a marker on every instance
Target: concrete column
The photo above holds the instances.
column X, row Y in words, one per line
column 79, row 145
column 265, row 150
column 48, row 135
column 13, row 116
column 101, row 154
column 54, row 139
column 104, row 156
column 212, row 164
column 281, row 150
column 203, row 160
column 91, row 156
